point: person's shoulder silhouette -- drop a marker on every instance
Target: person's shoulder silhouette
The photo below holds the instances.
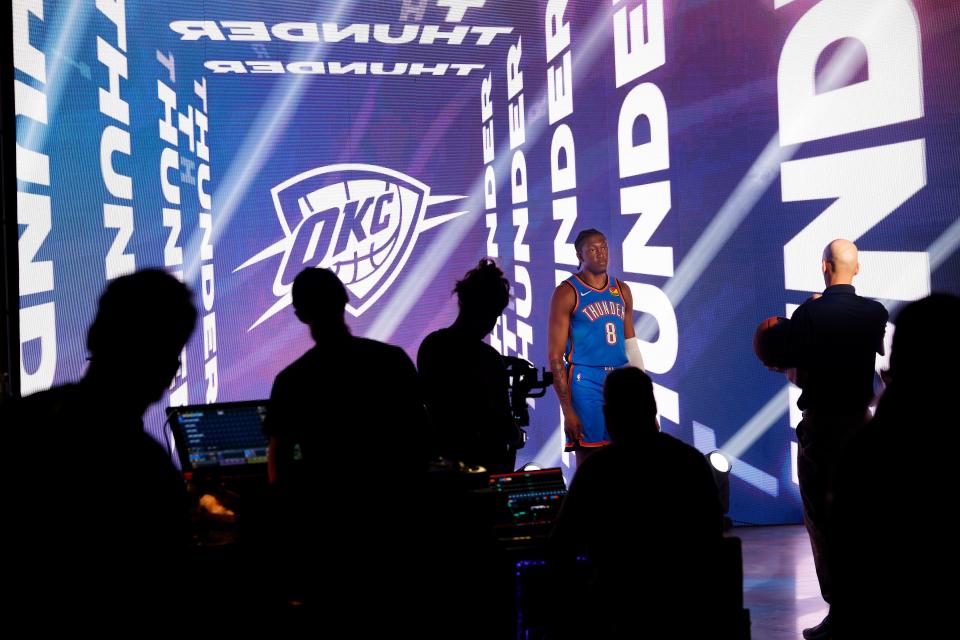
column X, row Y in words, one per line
column 344, row 391
column 645, row 511
column 465, row 380
column 345, row 424
column 142, row 323
column 99, row 494
column 899, row 469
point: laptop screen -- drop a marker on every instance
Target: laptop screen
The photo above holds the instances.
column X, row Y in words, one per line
column 225, row 437
column 527, row 498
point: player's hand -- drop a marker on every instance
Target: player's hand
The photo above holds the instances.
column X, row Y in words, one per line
column 573, row 427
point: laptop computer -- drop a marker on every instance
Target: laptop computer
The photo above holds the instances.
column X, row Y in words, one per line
column 220, row 441
column 526, row 505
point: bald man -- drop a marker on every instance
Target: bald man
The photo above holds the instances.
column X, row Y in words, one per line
column 832, row 341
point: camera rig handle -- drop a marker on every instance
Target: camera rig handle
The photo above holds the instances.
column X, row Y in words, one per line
column 524, row 382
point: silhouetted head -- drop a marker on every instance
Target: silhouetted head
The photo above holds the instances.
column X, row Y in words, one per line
column 143, row 322
column 926, row 345
column 483, row 294
column 591, row 247
column 319, row 298
column 628, row 404
column 840, row 262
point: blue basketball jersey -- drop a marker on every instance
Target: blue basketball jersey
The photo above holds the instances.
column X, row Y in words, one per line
column 596, row 327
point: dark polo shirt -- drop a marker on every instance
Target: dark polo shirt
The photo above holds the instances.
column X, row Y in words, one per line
column 832, row 341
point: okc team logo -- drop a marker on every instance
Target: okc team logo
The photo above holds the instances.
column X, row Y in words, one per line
column 359, row 220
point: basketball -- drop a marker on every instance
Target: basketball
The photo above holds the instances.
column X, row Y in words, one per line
column 376, row 242
column 761, row 340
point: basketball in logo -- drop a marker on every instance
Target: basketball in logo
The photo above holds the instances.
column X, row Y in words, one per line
column 360, row 221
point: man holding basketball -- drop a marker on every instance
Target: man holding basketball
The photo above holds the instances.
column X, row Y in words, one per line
column 832, row 341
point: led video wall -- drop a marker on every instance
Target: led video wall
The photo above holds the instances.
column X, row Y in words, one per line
column 720, row 145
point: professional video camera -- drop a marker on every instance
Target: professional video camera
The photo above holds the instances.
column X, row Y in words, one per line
column 524, row 383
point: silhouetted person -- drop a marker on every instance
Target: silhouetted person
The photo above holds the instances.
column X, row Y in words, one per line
column 352, row 409
column 896, row 486
column 465, row 381
column 832, row 341
column 645, row 511
column 102, row 515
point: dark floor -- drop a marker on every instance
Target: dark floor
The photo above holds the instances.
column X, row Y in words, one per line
column 779, row 582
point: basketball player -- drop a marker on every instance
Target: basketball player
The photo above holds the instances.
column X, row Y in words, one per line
column 590, row 334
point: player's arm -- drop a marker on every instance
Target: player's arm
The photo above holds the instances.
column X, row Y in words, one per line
column 561, row 307
column 631, row 342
